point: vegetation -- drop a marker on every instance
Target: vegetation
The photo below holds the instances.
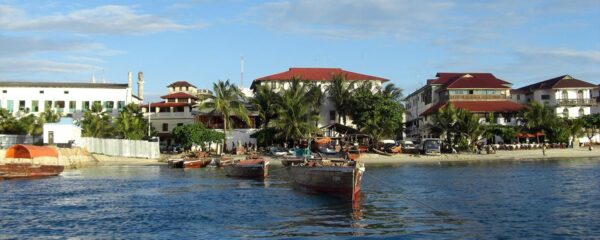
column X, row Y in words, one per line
column 130, row 124
column 96, row 123
column 340, row 93
column 228, row 102
column 191, row 134
column 28, row 124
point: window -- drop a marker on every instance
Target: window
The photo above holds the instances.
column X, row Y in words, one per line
column 580, row 94
column 35, row 106
column 66, row 92
column 545, row 97
column 4, row 91
column 470, row 91
column 332, row 115
column 565, row 94
column 566, row 113
column 85, row 105
column 109, row 105
column 273, row 85
column 165, row 127
column 10, row 105
column 120, row 105
column 72, row 105
column 60, row 105
column 581, row 112
column 47, row 105
column 22, row 105
column 180, row 124
column 518, row 96
column 41, row 91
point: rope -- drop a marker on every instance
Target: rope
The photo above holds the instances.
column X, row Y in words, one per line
column 435, row 210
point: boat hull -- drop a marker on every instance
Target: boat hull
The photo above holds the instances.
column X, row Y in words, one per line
column 175, row 163
column 200, row 163
column 340, row 180
column 260, row 170
column 27, row 170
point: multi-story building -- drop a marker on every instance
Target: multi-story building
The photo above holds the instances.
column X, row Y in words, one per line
column 175, row 110
column 322, row 77
column 569, row 96
column 479, row 93
column 69, row 98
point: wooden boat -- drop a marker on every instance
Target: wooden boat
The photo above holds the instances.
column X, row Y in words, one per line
column 251, row 167
column 381, row 152
column 352, row 153
column 175, row 163
column 29, row 170
column 341, row 178
column 196, row 163
column 289, row 161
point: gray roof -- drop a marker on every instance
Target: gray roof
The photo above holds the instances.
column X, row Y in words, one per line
column 63, row 85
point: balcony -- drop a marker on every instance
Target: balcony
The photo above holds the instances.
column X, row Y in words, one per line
column 576, row 102
column 478, row 97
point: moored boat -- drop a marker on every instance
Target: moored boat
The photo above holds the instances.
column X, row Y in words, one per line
column 340, row 178
column 251, row 167
column 175, row 163
column 29, row 170
column 196, row 163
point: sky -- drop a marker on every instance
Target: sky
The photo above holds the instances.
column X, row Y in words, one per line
column 202, row 41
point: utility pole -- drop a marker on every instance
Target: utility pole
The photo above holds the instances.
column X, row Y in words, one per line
column 149, row 118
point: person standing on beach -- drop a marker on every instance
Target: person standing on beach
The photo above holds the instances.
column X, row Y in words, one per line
column 544, row 149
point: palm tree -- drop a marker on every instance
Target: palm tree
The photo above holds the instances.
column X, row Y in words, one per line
column 339, row 92
column 444, row 122
column 296, row 118
column 50, row 116
column 227, row 102
column 264, row 101
column 467, row 125
column 538, row 117
column 131, row 123
column 390, row 91
column 96, row 122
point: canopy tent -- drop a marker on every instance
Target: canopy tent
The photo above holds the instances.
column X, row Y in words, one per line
column 30, row 151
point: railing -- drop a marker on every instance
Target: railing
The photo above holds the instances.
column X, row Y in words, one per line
column 170, row 114
column 576, row 102
column 473, row 96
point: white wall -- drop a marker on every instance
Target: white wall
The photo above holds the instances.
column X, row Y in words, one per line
column 121, row 147
column 63, row 133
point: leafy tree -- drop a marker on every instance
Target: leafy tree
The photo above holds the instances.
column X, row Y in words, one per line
column 296, row 115
column 468, row 127
column 265, row 100
column 340, row 94
column 8, row 123
column 228, row 101
column 96, row 123
column 50, row 116
column 591, row 124
column 444, row 122
column 196, row 133
column 131, row 124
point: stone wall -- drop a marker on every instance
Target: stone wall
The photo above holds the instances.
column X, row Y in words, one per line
column 71, row 158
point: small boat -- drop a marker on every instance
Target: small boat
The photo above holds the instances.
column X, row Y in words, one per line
column 381, row 152
column 29, row 170
column 175, row 163
column 352, row 153
column 251, row 167
column 339, row 177
column 289, row 161
column 196, row 163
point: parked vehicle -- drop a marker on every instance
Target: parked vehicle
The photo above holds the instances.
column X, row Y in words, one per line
column 431, row 146
column 408, row 147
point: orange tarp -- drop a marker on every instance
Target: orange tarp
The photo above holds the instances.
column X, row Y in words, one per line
column 30, row 151
column 323, row 141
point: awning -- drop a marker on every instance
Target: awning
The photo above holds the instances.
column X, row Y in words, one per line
column 30, row 151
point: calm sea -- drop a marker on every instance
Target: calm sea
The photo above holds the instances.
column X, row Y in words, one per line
column 521, row 199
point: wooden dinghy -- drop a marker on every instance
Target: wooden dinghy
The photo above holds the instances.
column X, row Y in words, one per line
column 29, row 170
column 251, row 167
column 339, row 178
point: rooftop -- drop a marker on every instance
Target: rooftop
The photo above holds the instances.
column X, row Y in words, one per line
column 469, row 81
column 181, row 84
column 564, row 81
column 64, row 85
column 318, row 74
column 178, row 95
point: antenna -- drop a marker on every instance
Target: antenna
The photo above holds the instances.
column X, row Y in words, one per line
column 242, row 71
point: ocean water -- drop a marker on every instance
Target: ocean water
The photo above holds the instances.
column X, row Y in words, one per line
column 519, row 199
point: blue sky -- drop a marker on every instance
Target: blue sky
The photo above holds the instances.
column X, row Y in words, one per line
column 201, row 41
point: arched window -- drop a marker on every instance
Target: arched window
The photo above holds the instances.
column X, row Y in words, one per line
column 580, row 94
column 566, row 113
column 565, row 94
column 581, row 112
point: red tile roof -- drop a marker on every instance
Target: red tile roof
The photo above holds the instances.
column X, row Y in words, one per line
column 181, row 84
column 479, row 106
column 178, row 95
column 564, row 81
column 469, row 81
column 319, row 74
column 167, row 104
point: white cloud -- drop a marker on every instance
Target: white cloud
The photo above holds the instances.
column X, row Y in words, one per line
column 107, row 19
column 12, row 66
column 563, row 53
column 18, row 46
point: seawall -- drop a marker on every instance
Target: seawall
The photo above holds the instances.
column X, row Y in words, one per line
column 71, row 158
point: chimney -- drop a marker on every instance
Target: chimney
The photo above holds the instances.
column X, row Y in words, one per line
column 129, row 79
column 141, row 85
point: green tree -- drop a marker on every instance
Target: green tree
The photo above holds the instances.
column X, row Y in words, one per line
column 539, row 117
column 131, row 124
column 296, row 115
column 8, row 123
column 265, row 101
column 591, row 124
column 228, row 101
column 443, row 123
column 96, row 123
column 196, row 133
column 50, row 116
column 340, row 93
column 468, row 127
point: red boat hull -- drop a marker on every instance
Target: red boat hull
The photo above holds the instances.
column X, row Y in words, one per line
column 339, row 180
column 196, row 163
column 28, row 170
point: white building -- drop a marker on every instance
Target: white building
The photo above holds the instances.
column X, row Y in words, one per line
column 319, row 76
column 570, row 97
column 69, row 98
